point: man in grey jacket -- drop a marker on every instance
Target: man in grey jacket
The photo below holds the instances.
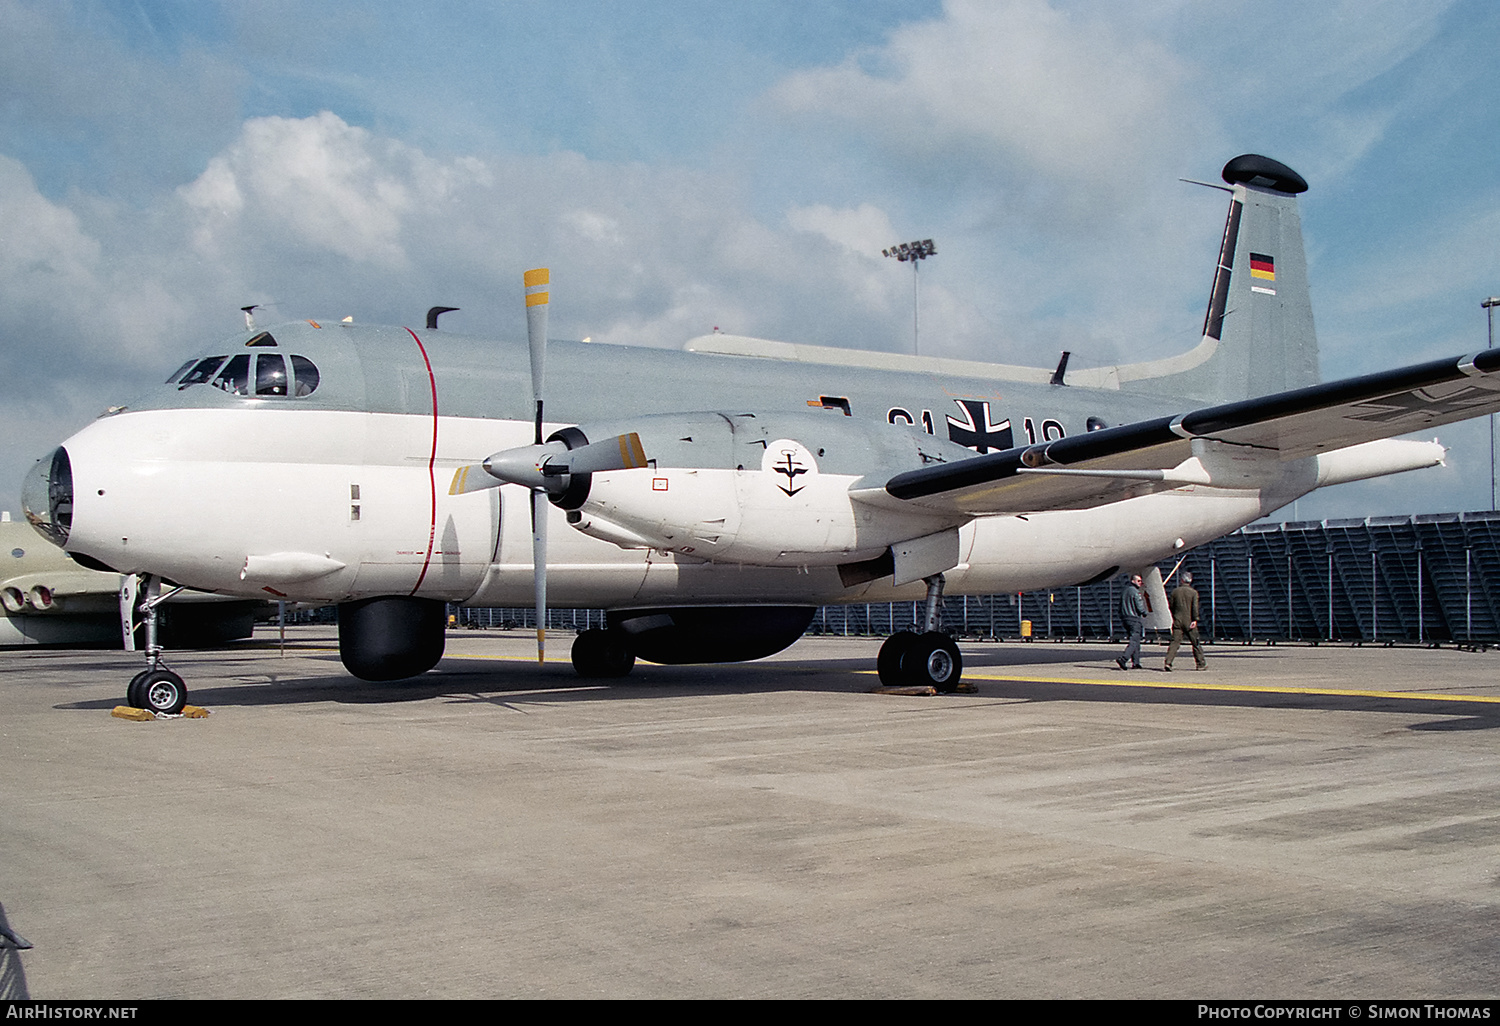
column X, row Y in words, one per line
column 1133, row 613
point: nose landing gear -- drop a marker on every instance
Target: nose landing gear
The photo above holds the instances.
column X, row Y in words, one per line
column 155, row 688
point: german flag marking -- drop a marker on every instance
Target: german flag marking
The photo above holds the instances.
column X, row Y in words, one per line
column 1262, row 266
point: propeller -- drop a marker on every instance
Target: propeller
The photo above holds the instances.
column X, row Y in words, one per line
column 538, row 287
column 546, row 468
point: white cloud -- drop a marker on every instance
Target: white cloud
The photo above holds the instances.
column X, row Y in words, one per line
column 43, row 249
column 864, row 229
column 330, row 184
column 1018, row 88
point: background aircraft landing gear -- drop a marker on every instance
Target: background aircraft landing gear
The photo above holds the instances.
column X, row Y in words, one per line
column 155, row 688
column 930, row 658
column 601, row 653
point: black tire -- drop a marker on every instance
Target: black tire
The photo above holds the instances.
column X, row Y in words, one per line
column 598, row 653
column 133, row 694
column 162, row 691
column 892, row 655
column 933, row 659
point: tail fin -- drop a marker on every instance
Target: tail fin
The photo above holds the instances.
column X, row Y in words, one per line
column 1258, row 334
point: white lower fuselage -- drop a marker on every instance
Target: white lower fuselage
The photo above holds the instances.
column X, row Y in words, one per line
column 334, row 506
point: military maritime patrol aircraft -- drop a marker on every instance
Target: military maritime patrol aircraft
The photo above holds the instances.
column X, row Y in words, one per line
column 711, row 499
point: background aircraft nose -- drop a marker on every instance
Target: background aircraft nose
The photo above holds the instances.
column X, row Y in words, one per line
column 47, row 496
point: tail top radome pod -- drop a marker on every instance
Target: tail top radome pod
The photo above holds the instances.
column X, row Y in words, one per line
column 1264, row 173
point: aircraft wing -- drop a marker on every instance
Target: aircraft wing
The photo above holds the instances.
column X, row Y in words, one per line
column 1156, row 455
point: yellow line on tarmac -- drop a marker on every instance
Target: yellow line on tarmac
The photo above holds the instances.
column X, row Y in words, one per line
column 1267, row 689
column 1259, row 688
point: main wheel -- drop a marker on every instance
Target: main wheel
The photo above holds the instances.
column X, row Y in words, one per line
column 933, row 659
column 892, row 654
column 133, row 695
column 163, row 692
column 598, row 653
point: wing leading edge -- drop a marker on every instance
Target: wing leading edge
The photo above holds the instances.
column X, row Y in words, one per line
column 1202, row 446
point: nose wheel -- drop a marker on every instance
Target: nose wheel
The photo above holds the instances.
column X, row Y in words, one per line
column 159, row 690
column 155, row 688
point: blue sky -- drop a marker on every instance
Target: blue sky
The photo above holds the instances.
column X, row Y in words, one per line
column 682, row 165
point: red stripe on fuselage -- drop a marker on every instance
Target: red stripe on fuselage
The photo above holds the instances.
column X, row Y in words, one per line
column 431, row 464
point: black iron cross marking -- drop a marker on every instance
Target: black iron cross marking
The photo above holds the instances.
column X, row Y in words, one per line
column 791, row 470
column 976, row 430
column 1419, row 403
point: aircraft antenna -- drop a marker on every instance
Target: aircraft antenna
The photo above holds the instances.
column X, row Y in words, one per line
column 435, row 312
column 1059, row 376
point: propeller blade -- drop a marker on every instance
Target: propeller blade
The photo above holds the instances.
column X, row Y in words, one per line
column 539, row 506
column 538, row 286
column 622, row 452
column 538, row 292
column 472, row 478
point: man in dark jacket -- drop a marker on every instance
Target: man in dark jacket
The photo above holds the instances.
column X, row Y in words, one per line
column 1133, row 613
column 1183, row 603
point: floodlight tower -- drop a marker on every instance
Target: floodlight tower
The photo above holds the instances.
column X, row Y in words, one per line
column 1489, row 308
column 916, row 252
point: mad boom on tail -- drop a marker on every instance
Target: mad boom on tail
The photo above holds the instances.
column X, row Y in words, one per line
column 711, row 499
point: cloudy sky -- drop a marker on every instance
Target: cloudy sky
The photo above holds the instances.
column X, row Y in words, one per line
column 687, row 164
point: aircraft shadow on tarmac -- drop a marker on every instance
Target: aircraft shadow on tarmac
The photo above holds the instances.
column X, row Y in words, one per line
column 483, row 681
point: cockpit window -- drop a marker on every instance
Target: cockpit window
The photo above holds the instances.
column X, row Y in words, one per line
column 251, row 374
column 263, row 339
column 304, row 375
column 235, row 377
column 180, row 371
column 270, row 374
column 202, row 372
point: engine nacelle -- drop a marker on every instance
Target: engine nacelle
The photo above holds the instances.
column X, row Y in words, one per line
column 391, row 637
column 763, row 490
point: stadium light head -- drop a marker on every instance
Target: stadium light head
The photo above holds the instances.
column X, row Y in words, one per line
column 911, row 250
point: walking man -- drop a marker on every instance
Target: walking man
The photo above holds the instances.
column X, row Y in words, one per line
column 1183, row 604
column 1133, row 613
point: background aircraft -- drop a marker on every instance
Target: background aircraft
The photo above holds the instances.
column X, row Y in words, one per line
column 48, row 599
column 714, row 497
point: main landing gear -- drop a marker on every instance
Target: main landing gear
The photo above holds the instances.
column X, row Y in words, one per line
column 908, row 658
column 155, row 688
